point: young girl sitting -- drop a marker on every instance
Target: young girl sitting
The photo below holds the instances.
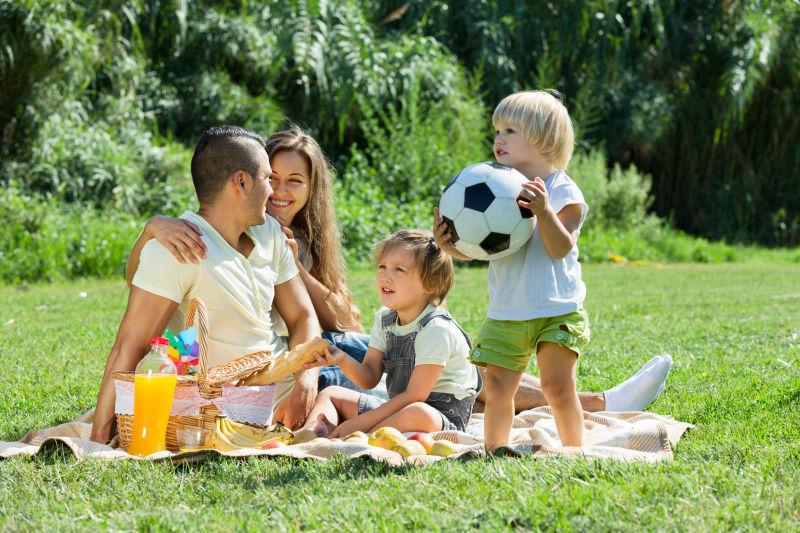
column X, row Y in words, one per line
column 431, row 384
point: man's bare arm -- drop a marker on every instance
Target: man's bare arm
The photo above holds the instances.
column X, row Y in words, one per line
column 294, row 305
column 147, row 315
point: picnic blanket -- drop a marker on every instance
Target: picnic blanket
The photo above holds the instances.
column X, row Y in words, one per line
column 627, row 436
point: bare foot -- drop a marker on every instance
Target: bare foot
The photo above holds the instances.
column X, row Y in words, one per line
column 321, row 428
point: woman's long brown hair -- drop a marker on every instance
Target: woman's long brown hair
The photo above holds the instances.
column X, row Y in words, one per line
column 317, row 219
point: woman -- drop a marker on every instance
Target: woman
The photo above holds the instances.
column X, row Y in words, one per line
column 302, row 201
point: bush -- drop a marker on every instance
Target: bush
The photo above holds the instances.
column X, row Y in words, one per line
column 620, row 199
column 211, row 98
column 651, row 241
column 45, row 240
column 77, row 160
column 412, row 153
column 619, row 227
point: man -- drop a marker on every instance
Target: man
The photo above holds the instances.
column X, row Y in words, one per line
column 248, row 268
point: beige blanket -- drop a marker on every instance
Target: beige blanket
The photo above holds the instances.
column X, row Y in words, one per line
column 634, row 436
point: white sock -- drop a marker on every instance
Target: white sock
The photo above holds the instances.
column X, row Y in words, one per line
column 650, row 363
column 641, row 389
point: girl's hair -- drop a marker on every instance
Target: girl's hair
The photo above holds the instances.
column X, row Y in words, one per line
column 317, row 219
column 543, row 120
column 434, row 265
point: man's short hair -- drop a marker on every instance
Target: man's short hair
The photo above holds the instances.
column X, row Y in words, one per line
column 221, row 151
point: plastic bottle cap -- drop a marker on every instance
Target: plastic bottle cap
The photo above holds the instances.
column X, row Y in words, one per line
column 159, row 341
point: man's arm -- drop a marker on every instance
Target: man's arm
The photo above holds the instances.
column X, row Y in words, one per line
column 147, row 315
column 295, row 307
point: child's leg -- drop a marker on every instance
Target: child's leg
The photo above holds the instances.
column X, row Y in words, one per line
column 501, row 385
column 557, row 366
column 418, row 416
column 529, row 396
column 332, row 406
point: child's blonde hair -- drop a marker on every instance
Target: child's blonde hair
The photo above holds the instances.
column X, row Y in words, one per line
column 435, row 267
column 543, row 120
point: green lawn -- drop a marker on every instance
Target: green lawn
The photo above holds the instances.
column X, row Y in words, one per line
column 732, row 330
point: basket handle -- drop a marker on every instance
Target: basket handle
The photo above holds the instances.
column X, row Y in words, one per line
column 198, row 308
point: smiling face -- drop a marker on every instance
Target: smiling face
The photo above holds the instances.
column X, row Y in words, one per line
column 291, row 186
column 257, row 197
column 399, row 283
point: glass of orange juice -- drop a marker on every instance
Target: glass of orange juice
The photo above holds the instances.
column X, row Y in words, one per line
column 153, row 390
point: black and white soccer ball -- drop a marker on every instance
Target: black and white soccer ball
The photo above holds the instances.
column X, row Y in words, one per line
column 480, row 207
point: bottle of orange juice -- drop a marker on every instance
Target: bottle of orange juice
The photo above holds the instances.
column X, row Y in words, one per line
column 153, row 390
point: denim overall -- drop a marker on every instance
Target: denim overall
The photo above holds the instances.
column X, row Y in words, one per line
column 398, row 362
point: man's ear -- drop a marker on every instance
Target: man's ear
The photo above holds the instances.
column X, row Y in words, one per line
column 240, row 180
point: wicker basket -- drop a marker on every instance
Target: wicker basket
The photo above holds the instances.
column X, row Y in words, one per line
column 208, row 381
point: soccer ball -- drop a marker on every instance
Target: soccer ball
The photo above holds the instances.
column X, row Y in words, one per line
column 479, row 206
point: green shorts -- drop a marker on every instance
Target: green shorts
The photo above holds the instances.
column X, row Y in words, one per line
column 510, row 343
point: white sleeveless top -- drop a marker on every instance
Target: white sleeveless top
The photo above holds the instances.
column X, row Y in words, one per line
column 529, row 283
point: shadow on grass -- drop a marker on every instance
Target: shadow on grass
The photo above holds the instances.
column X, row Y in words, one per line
column 292, row 470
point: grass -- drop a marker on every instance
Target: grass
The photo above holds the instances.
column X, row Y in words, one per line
column 732, row 330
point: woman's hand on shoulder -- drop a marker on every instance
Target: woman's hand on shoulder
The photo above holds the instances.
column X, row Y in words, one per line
column 292, row 243
column 181, row 237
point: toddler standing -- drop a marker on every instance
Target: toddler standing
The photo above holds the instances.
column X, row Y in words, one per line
column 536, row 294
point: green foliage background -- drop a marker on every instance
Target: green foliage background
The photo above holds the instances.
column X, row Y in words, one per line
column 686, row 111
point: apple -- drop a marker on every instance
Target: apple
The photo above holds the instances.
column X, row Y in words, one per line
column 386, row 437
column 409, row 447
column 424, row 439
column 443, row 448
column 272, row 444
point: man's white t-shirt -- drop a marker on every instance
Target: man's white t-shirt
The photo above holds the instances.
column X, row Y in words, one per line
column 238, row 291
column 441, row 343
column 529, row 283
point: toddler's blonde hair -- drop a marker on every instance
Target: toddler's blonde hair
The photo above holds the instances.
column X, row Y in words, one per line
column 543, row 120
column 435, row 267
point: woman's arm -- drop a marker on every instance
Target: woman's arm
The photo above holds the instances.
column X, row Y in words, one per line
column 181, row 237
column 333, row 311
column 423, row 378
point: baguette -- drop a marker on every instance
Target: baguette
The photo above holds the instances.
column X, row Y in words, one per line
column 287, row 363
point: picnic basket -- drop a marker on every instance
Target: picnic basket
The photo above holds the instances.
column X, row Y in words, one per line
column 208, row 381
